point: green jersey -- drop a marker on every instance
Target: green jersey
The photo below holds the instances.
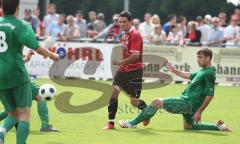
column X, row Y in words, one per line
column 14, row 34
column 202, row 85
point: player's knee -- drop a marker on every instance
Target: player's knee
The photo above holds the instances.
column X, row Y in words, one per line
column 157, row 103
column 23, row 114
column 115, row 91
column 187, row 126
column 37, row 98
column 134, row 102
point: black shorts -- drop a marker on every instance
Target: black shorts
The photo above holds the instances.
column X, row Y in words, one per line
column 129, row 82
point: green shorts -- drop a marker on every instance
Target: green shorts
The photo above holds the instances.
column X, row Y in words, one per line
column 19, row 97
column 35, row 90
column 178, row 105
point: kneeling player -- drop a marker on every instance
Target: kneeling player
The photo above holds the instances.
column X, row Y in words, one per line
column 192, row 102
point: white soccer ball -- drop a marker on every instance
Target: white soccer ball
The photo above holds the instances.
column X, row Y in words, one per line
column 47, row 92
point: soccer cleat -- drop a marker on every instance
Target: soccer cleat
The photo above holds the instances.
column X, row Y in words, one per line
column 109, row 126
column 223, row 127
column 126, row 124
column 146, row 122
column 49, row 128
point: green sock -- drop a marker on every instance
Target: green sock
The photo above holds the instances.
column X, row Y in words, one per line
column 146, row 114
column 205, row 126
column 7, row 125
column 3, row 115
column 43, row 113
column 22, row 132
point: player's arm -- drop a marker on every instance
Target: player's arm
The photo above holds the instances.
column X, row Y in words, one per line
column 130, row 60
column 46, row 53
column 198, row 114
column 171, row 68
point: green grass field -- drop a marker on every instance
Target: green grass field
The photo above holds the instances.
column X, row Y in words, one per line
column 164, row 127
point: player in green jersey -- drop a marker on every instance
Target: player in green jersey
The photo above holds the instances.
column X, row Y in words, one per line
column 41, row 104
column 15, row 85
column 192, row 102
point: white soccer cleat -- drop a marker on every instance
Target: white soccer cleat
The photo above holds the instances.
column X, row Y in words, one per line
column 223, row 127
column 126, row 124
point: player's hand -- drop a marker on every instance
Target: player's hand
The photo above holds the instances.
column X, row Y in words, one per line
column 197, row 116
column 29, row 55
column 115, row 62
column 170, row 67
column 54, row 57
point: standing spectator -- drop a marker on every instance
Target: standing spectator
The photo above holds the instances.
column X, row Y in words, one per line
column 39, row 30
column 36, row 14
column 231, row 32
column 81, row 23
column 57, row 28
column 175, row 36
column 92, row 15
column 222, row 20
column 158, row 36
column 193, row 35
column 112, row 32
column 32, row 20
column 215, row 35
column 1, row 12
column 136, row 23
column 146, row 28
column 155, row 20
column 172, row 19
column 99, row 25
column 182, row 25
column 71, row 31
column 204, row 29
column 208, row 20
column 50, row 17
column 237, row 13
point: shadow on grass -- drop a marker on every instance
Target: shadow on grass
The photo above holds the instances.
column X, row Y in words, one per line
column 42, row 133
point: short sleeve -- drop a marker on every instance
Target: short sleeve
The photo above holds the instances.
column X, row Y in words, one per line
column 136, row 43
column 27, row 37
column 209, row 82
column 192, row 75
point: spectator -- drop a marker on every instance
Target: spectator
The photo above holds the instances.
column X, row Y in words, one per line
column 175, row 36
column 99, row 25
column 146, row 28
column 81, row 23
column 1, row 12
column 36, row 14
column 182, row 25
column 158, row 36
column 208, row 20
column 57, row 28
column 215, row 35
column 155, row 20
column 193, row 35
column 237, row 13
column 172, row 19
column 50, row 18
column 112, row 32
column 136, row 23
column 29, row 18
column 204, row 29
column 92, row 15
column 231, row 32
column 222, row 17
column 71, row 31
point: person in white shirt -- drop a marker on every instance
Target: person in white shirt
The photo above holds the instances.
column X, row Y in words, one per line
column 146, row 28
column 158, row 35
column 175, row 36
column 203, row 28
column 50, row 18
column 231, row 32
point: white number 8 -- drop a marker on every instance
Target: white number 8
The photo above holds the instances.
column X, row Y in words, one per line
column 3, row 44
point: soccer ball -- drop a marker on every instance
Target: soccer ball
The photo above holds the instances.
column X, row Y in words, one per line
column 47, row 92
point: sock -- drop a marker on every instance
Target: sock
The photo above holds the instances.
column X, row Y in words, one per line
column 22, row 132
column 205, row 126
column 16, row 126
column 7, row 125
column 146, row 114
column 112, row 109
column 142, row 105
column 3, row 115
column 43, row 113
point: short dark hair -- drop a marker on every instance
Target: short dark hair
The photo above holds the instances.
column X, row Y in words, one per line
column 126, row 14
column 10, row 6
column 181, row 18
column 171, row 16
column 206, row 52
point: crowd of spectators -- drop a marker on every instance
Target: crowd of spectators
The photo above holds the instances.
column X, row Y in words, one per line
column 203, row 30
